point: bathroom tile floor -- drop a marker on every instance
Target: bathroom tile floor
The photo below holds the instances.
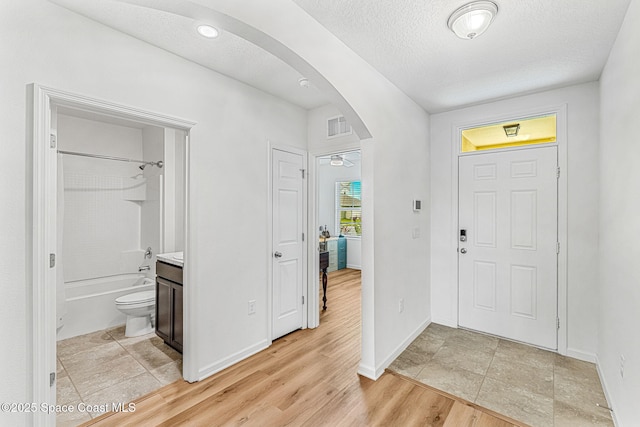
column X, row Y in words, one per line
column 537, row 387
column 105, row 367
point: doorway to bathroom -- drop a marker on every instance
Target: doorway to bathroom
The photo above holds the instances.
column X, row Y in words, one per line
column 120, row 203
column 111, row 197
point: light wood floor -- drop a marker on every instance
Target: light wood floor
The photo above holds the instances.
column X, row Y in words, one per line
column 307, row 378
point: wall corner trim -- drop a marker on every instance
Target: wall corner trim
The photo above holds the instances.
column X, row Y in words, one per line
column 445, row 322
column 582, row 355
column 379, row 370
column 368, row 372
column 605, row 389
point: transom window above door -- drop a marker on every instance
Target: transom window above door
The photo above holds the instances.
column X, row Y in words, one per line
column 514, row 133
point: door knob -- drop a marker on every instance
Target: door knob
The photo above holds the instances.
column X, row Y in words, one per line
column 277, row 254
column 463, row 250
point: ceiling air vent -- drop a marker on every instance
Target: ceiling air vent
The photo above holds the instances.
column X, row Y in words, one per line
column 337, row 126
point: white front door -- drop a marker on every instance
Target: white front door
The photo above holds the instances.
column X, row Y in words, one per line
column 508, row 209
column 287, row 255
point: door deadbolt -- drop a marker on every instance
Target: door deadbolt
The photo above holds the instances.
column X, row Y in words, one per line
column 463, row 235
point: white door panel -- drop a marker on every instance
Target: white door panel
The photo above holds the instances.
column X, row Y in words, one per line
column 508, row 265
column 288, row 222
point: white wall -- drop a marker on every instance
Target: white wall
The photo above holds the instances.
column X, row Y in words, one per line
column 401, row 174
column 582, row 107
column 619, row 279
column 41, row 42
column 180, row 189
column 151, row 208
column 173, row 191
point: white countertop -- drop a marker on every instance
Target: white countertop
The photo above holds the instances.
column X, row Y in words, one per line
column 174, row 258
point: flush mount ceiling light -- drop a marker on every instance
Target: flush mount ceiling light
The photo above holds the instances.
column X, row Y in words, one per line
column 337, row 160
column 472, row 19
column 303, row 82
column 511, row 130
column 208, row 31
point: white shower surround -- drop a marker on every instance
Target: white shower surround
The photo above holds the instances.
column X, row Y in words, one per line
column 101, row 222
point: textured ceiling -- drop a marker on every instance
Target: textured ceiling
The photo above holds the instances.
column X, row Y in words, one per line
column 532, row 45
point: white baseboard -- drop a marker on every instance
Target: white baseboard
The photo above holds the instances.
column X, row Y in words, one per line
column 218, row 366
column 354, row 267
column 445, row 322
column 606, row 392
column 367, row 371
column 400, row 348
column 581, row 355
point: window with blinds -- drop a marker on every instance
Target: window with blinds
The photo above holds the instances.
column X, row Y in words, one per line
column 348, row 208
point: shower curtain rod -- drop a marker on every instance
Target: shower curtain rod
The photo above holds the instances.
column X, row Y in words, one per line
column 159, row 163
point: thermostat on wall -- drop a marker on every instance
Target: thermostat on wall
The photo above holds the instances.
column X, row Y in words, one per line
column 417, row 205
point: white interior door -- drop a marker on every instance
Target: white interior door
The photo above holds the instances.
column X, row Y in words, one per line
column 287, row 254
column 508, row 207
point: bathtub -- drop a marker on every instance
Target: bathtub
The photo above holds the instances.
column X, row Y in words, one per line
column 91, row 304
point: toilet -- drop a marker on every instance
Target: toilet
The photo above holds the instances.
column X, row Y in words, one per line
column 138, row 306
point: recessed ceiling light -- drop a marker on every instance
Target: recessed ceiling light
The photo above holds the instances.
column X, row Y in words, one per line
column 472, row 19
column 208, row 31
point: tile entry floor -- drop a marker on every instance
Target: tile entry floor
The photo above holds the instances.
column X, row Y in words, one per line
column 534, row 386
column 105, row 367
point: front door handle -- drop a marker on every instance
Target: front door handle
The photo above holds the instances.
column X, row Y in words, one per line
column 463, row 251
column 277, row 254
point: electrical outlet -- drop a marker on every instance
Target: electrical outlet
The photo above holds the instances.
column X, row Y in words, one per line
column 622, row 365
column 252, row 306
column 401, row 305
column 415, row 233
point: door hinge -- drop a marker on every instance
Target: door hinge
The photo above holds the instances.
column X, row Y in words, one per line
column 52, row 260
column 303, row 237
column 52, row 141
column 557, row 323
column 52, row 378
column 557, row 247
column 302, row 170
column 302, row 299
column 558, row 172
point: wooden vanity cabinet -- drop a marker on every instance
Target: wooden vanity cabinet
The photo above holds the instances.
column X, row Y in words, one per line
column 169, row 304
